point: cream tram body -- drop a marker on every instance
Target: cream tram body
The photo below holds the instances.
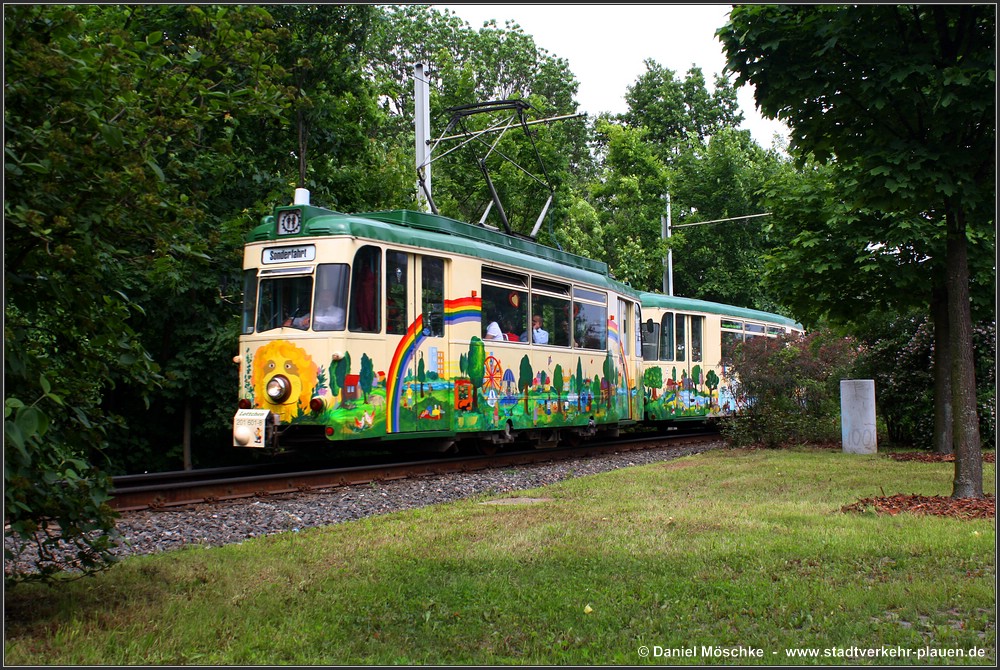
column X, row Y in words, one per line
column 686, row 350
column 404, row 355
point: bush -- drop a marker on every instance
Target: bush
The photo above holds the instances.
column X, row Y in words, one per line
column 56, row 514
column 984, row 339
column 787, row 389
column 899, row 355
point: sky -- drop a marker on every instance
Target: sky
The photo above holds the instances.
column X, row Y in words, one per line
column 605, row 46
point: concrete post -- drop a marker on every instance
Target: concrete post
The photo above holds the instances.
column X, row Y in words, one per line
column 857, row 416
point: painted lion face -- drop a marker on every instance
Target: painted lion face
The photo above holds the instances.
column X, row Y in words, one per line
column 294, row 364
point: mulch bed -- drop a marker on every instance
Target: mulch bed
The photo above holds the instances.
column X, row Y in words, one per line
column 956, row 508
column 988, row 457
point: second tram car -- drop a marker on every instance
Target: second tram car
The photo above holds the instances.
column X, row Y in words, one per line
column 687, row 350
column 381, row 326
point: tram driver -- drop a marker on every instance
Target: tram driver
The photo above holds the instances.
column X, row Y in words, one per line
column 329, row 315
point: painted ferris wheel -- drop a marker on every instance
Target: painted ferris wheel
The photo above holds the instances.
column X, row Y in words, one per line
column 492, row 374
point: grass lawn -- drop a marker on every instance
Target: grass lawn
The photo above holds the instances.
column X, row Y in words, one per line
column 727, row 557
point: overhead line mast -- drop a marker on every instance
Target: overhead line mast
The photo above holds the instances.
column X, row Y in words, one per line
column 425, row 147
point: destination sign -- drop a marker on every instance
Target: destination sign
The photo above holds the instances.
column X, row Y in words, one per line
column 305, row 252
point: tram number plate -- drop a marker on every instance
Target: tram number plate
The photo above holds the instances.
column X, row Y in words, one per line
column 250, row 427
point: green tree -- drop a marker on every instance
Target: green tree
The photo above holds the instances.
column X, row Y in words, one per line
column 116, row 131
column 629, row 199
column 679, row 113
column 905, row 96
column 838, row 263
column 329, row 137
column 722, row 262
column 55, row 503
column 467, row 66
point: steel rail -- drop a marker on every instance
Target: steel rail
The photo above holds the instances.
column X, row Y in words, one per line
column 168, row 490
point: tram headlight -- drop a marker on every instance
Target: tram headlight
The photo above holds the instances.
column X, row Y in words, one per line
column 278, row 389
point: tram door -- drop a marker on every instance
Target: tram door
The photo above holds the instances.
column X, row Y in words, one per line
column 414, row 300
column 681, row 349
column 629, row 344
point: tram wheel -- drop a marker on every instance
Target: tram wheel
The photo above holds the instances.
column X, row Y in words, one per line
column 486, row 449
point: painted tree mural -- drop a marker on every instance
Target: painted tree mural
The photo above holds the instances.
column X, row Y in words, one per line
column 342, row 369
column 579, row 384
column 652, row 379
column 558, row 383
column 476, row 367
column 366, row 376
column 334, row 385
column 611, row 377
column 524, row 380
column 712, row 381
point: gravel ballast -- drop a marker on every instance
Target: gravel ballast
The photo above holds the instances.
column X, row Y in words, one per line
column 228, row 522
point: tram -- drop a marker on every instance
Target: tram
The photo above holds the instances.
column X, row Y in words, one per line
column 382, row 326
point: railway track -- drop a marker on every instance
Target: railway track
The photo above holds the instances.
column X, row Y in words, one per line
column 171, row 489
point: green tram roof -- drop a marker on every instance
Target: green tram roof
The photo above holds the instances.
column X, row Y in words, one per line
column 443, row 234
column 649, row 299
column 440, row 233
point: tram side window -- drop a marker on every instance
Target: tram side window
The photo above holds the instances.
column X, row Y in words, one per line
column 330, row 305
column 249, row 299
column 732, row 335
column 590, row 319
column 366, row 306
column 681, row 338
column 284, row 300
column 432, row 276
column 396, row 283
column 505, row 302
column 697, row 328
column 554, row 307
column 754, row 330
column 667, row 337
column 650, row 341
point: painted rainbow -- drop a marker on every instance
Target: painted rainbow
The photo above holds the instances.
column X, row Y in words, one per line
column 462, row 310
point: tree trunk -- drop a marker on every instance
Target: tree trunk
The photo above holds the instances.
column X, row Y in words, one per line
column 968, row 481
column 943, row 440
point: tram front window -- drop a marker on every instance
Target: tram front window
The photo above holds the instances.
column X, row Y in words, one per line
column 331, row 296
column 284, row 301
